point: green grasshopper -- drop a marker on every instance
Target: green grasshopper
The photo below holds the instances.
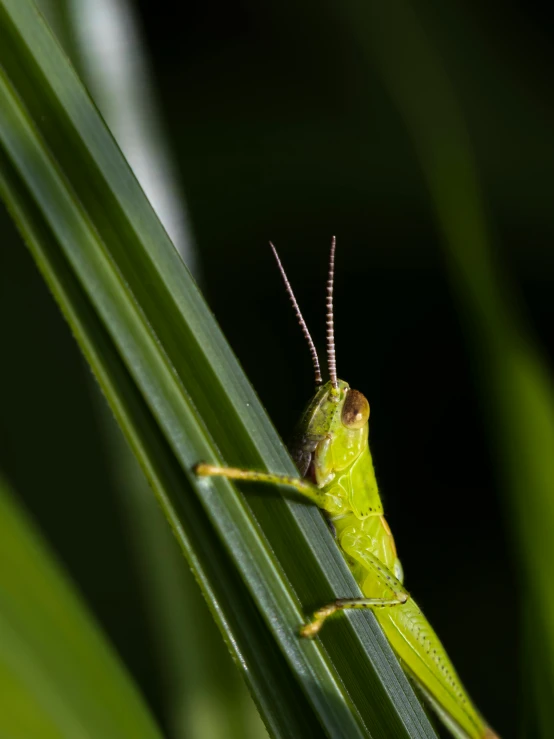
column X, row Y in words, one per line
column 331, row 451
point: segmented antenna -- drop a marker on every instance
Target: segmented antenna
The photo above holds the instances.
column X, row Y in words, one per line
column 330, row 322
column 300, row 318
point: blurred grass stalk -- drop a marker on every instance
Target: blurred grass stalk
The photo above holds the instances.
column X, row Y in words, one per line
column 517, row 386
column 204, row 693
column 180, row 396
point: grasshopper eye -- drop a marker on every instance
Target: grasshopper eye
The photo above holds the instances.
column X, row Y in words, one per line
column 355, row 411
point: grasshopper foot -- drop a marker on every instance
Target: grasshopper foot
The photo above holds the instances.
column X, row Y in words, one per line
column 313, row 627
column 205, row 470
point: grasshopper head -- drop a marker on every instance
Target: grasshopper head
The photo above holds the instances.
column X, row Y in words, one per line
column 336, row 411
column 331, row 449
column 332, row 431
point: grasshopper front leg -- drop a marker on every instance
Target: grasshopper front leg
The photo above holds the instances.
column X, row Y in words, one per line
column 306, row 489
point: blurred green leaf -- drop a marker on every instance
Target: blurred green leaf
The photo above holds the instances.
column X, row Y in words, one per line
column 58, row 677
column 517, row 386
column 180, row 396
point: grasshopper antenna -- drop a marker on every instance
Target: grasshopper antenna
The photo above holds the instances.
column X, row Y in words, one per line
column 330, row 321
column 300, row 318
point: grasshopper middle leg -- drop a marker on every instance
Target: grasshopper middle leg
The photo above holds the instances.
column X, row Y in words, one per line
column 359, row 548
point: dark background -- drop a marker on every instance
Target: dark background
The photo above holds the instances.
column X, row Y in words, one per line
column 280, row 132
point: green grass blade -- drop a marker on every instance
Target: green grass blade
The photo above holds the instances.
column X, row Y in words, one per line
column 58, row 677
column 180, row 396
